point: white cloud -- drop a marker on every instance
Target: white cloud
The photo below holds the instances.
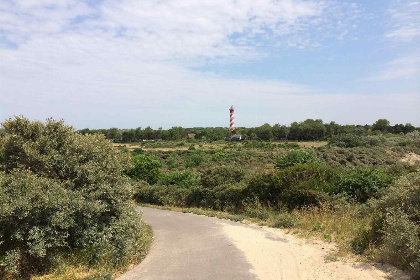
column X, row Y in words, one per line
column 404, row 20
column 182, row 28
column 124, row 63
column 407, row 67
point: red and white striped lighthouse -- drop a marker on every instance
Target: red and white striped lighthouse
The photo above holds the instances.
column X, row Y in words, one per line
column 232, row 118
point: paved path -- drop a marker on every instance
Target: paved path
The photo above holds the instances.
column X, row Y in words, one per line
column 188, row 246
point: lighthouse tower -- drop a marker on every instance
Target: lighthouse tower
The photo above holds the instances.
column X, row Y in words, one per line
column 232, row 118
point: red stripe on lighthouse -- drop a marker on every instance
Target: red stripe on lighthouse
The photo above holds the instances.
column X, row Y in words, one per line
column 232, row 118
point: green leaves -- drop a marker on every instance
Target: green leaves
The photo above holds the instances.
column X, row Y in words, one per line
column 145, row 167
column 60, row 191
column 364, row 183
column 294, row 157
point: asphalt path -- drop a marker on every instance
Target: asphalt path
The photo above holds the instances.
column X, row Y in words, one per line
column 188, row 246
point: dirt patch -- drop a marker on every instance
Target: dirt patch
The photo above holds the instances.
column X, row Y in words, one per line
column 411, row 158
column 277, row 255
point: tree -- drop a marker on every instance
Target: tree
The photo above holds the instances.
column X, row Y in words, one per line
column 381, row 125
column 280, row 132
column 264, row 132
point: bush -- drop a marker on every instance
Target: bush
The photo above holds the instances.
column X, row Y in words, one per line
column 61, row 191
column 184, row 179
column 293, row 187
column 364, row 183
column 163, row 195
column 194, row 159
column 345, row 140
column 228, row 197
column 395, row 230
column 294, row 157
column 145, row 168
column 137, row 151
column 215, row 176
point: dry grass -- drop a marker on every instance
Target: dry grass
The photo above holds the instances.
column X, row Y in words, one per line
column 312, row 144
column 68, row 271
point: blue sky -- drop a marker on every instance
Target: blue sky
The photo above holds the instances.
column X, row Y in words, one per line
column 101, row 64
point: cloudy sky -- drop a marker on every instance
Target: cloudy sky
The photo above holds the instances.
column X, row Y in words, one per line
column 164, row 63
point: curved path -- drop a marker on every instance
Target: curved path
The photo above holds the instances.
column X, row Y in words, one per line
column 188, row 246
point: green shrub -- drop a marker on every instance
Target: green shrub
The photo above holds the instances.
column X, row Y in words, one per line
column 61, row 191
column 163, row 195
column 228, row 197
column 294, row 157
column 289, row 145
column 293, row 187
column 137, row 151
column 145, row 168
column 395, row 230
column 364, row 183
column 194, row 159
column 184, row 179
column 215, row 176
column 345, row 140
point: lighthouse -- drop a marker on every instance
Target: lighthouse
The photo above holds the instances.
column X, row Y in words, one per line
column 232, row 118
column 234, row 137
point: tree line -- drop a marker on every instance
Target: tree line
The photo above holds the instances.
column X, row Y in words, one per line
column 308, row 130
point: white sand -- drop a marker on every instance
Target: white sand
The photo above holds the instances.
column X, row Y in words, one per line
column 277, row 255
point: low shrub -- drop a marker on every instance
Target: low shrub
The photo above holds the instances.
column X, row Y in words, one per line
column 296, row 186
column 163, row 195
column 345, row 140
column 214, row 176
column 193, row 159
column 395, row 230
column 145, row 167
column 294, row 157
column 184, row 179
column 362, row 184
column 61, row 191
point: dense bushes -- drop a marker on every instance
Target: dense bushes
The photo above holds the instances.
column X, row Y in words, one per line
column 145, row 168
column 354, row 140
column 364, row 183
column 184, row 179
column 61, row 191
column 295, row 186
column 294, row 157
column 395, row 230
column 219, row 175
column 321, row 189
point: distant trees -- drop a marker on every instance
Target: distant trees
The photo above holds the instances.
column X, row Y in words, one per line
column 308, row 130
column 381, row 125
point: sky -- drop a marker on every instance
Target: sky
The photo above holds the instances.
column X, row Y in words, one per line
column 162, row 63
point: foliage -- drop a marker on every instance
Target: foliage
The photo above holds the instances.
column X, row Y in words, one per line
column 294, row 157
column 220, row 175
column 307, row 130
column 184, row 179
column 296, row 186
column 145, row 167
column 62, row 191
column 395, row 231
column 364, row 183
column 194, row 159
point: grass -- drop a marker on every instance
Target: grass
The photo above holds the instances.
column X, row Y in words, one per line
column 71, row 269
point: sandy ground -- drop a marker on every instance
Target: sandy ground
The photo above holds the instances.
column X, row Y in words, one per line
column 411, row 158
column 277, row 255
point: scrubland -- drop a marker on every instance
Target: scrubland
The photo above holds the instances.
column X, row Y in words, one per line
column 365, row 198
